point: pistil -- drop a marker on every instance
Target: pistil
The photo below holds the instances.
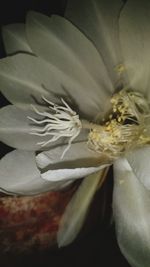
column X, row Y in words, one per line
column 124, row 129
column 60, row 121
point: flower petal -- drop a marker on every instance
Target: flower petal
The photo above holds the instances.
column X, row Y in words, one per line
column 25, row 78
column 54, row 40
column 22, row 77
column 131, row 207
column 139, row 162
column 19, row 174
column 16, row 128
column 14, row 38
column 76, row 211
column 77, row 156
column 135, row 43
column 70, row 174
column 99, row 21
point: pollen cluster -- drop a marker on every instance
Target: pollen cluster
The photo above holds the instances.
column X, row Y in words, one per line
column 125, row 128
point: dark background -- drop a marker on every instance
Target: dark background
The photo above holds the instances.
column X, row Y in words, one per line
column 99, row 246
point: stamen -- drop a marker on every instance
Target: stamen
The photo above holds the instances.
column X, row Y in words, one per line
column 126, row 127
column 60, row 122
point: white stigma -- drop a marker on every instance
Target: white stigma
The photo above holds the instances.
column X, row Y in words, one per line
column 126, row 127
column 60, row 121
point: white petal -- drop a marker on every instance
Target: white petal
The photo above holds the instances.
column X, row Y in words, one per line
column 63, row 45
column 98, row 19
column 22, row 78
column 135, row 43
column 76, row 211
column 70, row 174
column 25, row 78
column 77, row 155
column 16, row 128
column 19, row 174
column 139, row 161
column 14, row 38
column 131, row 207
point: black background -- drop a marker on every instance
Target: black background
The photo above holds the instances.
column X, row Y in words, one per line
column 99, row 247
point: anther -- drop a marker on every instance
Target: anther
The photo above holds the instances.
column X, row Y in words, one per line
column 125, row 127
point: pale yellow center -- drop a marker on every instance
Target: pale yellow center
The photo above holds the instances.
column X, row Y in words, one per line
column 126, row 127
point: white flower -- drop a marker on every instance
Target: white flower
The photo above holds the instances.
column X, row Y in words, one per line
column 81, row 100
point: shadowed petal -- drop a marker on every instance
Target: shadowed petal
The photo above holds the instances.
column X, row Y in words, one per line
column 77, row 156
column 22, row 78
column 76, row 211
column 59, row 42
column 135, row 43
column 14, row 38
column 139, row 162
column 19, row 174
column 131, row 208
column 25, row 78
column 99, row 21
column 71, row 174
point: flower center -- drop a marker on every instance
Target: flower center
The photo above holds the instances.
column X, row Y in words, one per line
column 125, row 128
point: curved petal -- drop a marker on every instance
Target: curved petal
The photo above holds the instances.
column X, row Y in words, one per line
column 71, row 174
column 77, row 156
column 99, row 21
column 25, row 79
column 16, row 128
column 135, row 43
column 77, row 209
column 19, row 174
column 14, row 38
column 131, row 207
column 139, row 162
column 59, row 42
column 22, row 78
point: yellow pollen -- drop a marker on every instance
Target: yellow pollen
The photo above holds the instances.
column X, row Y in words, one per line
column 125, row 128
column 120, row 69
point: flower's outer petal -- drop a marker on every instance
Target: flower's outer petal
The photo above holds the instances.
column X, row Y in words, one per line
column 135, row 43
column 98, row 19
column 26, row 78
column 19, row 174
column 131, row 208
column 16, row 128
column 76, row 211
column 14, row 38
column 59, row 42
column 70, row 174
column 139, row 162
column 77, row 156
column 22, row 78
